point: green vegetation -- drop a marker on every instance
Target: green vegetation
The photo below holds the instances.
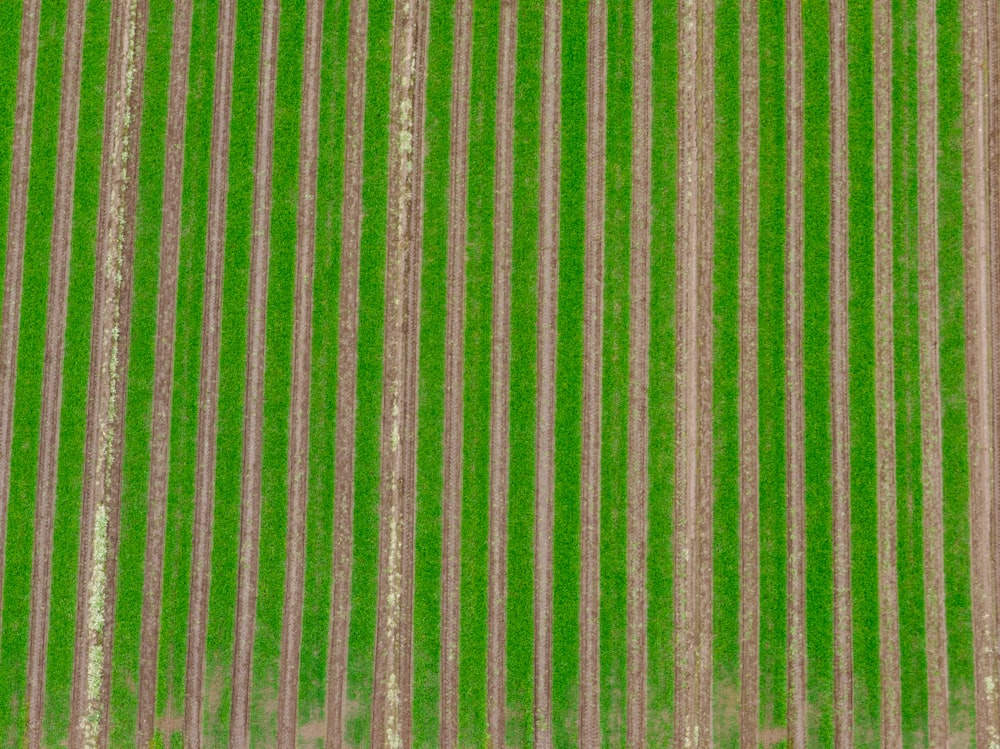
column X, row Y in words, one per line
column 10, row 36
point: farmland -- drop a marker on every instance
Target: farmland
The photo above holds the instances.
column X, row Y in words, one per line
column 508, row 373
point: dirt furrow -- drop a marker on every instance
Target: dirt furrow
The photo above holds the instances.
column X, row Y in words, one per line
column 930, row 378
column 347, row 374
column 451, row 508
column 253, row 424
column 503, row 226
column 749, row 398
column 978, row 366
column 298, row 438
column 89, row 725
column 639, row 325
column 159, row 464
column 548, row 289
column 17, row 218
column 55, row 346
column 843, row 687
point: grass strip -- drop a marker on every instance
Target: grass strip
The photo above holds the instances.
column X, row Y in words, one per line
column 10, row 35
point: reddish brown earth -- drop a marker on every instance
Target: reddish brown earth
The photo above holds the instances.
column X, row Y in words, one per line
column 55, row 345
column 347, row 365
column 17, row 218
column 548, row 286
column 503, row 222
column 253, row 425
column 298, row 441
column 451, row 508
column 749, row 419
column 843, row 687
column 159, row 464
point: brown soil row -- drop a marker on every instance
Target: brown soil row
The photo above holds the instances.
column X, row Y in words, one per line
column 253, row 424
column 298, row 441
column 548, row 284
column 10, row 326
column 347, row 364
column 503, row 223
column 638, row 423
column 451, row 509
column 55, row 345
column 749, row 399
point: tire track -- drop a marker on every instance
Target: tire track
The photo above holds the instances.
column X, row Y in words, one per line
column 89, row 725
column 930, row 378
column 17, row 220
column 548, row 290
column 749, row 399
column 55, row 347
column 159, row 467
column 885, row 386
column 347, row 374
column 503, row 225
column 593, row 341
column 451, row 508
column 639, row 334
column 298, row 442
column 253, row 425
column 843, row 688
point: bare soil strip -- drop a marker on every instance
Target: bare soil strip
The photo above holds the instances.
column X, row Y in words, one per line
column 749, row 405
column 298, row 439
column 503, row 226
column 885, row 388
column 55, row 346
column 545, row 438
column 451, row 509
column 159, row 463
column 795, row 374
column 843, row 686
column 17, row 219
column 253, row 424
column 89, row 725
column 975, row 196
column 347, row 374
column 930, row 378
column 593, row 342
column 639, row 324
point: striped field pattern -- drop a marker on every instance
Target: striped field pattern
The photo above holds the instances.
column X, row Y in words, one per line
column 500, row 373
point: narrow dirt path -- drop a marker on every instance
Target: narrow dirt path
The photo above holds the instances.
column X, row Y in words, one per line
column 298, row 428
column 978, row 367
column 885, row 385
column 639, row 325
column 55, row 347
column 253, row 424
column 166, row 317
column 17, row 219
column 503, row 227
column 795, row 425
column 454, row 390
column 593, row 343
column 843, row 686
column 89, row 725
column 749, row 397
column 930, row 378
column 545, row 438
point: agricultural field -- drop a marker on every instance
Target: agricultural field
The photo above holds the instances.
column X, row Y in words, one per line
column 443, row 373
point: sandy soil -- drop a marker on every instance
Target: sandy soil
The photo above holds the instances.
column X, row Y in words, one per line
column 347, row 375
column 503, row 222
column 639, row 324
column 298, row 441
column 55, row 345
column 253, row 425
column 451, row 510
column 10, row 327
column 749, row 397
column 164, row 374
